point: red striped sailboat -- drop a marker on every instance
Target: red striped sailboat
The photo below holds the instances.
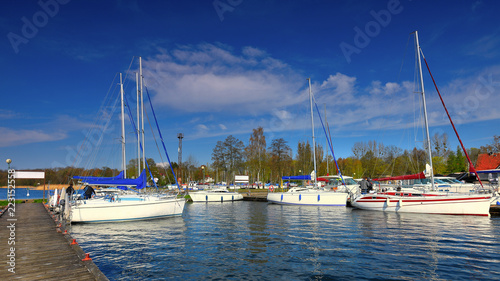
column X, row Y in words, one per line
column 421, row 201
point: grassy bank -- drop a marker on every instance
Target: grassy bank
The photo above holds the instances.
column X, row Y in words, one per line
column 4, row 203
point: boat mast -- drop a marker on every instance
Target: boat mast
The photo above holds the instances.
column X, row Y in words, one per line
column 124, row 167
column 425, row 109
column 312, row 124
column 326, row 122
column 137, row 129
column 142, row 115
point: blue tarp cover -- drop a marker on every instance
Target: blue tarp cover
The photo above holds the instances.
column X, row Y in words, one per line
column 138, row 182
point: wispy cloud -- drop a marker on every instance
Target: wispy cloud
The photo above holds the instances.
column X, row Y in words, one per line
column 7, row 114
column 236, row 91
column 486, row 46
column 12, row 137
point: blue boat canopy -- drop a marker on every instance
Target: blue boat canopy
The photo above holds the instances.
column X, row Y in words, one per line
column 303, row 177
column 139, row 182
column 488, row 171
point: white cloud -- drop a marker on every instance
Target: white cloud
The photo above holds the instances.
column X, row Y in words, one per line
column 253, row 52
column 234, row 92
column 12, row 137
column 210, row 78
column 201, row 127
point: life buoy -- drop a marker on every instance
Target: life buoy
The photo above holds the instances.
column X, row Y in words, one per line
column 271, row 188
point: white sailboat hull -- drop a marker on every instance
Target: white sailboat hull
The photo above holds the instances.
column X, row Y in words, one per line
column 446, row 205
column 215, row 196
column 126, row 208
column 313, row 198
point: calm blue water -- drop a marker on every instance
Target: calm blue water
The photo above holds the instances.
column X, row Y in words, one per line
column 259, row 241
column 22, row 193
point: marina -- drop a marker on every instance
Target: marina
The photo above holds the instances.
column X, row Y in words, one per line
column 245, row 239
column 250, row 140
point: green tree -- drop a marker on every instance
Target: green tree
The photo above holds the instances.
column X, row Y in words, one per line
column 228, row 156
column 280, row 156
column 256, row 152
column 304, row 157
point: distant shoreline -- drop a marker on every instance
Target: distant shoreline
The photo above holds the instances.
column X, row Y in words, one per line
column 52, row 186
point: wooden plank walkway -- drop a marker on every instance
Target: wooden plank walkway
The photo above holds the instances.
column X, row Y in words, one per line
column 41, row 252
column 255, row 196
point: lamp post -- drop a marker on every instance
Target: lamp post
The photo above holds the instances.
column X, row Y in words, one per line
column 203, row 169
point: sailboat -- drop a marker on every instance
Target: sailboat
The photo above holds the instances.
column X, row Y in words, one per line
column 308, row 195
column 428, row 202
column 218, row 194
column 118, row 206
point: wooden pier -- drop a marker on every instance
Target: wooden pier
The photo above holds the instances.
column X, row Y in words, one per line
column 255, row 196
column 41, row 251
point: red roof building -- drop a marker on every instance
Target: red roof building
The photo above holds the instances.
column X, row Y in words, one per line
column 488, row 162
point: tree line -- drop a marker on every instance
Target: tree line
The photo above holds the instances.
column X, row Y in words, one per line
column 371, row 159
column 268, row 163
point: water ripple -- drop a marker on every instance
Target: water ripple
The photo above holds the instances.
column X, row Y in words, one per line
column 259, row 241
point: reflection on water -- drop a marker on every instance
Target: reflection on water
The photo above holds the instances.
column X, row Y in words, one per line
column 259, row 241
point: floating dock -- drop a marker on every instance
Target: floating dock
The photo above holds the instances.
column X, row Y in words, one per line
column 34, row 246
column 255, row 196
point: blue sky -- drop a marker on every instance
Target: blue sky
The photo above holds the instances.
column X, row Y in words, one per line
column 225, row 67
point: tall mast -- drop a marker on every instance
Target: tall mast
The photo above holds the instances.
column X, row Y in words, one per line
column 425, row 109
column 137, row 129
column 142, row 115
column 326, row 122
column 312, row 124
column 124, row 167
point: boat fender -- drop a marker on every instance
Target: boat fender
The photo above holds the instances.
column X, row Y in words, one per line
column 400, row 203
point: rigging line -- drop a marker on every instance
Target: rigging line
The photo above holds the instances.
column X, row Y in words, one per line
column 133, row 124
column 127, row 81
column 109, row 115
column 404, row 55
column 92, row 157
column 329, row 140
column 129, row 67
column 150, row 171
column 161, row 138
column 451, row 121
column 94, row 125
column 156, row 143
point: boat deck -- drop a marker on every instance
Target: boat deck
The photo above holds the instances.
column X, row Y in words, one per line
column 41, row 252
